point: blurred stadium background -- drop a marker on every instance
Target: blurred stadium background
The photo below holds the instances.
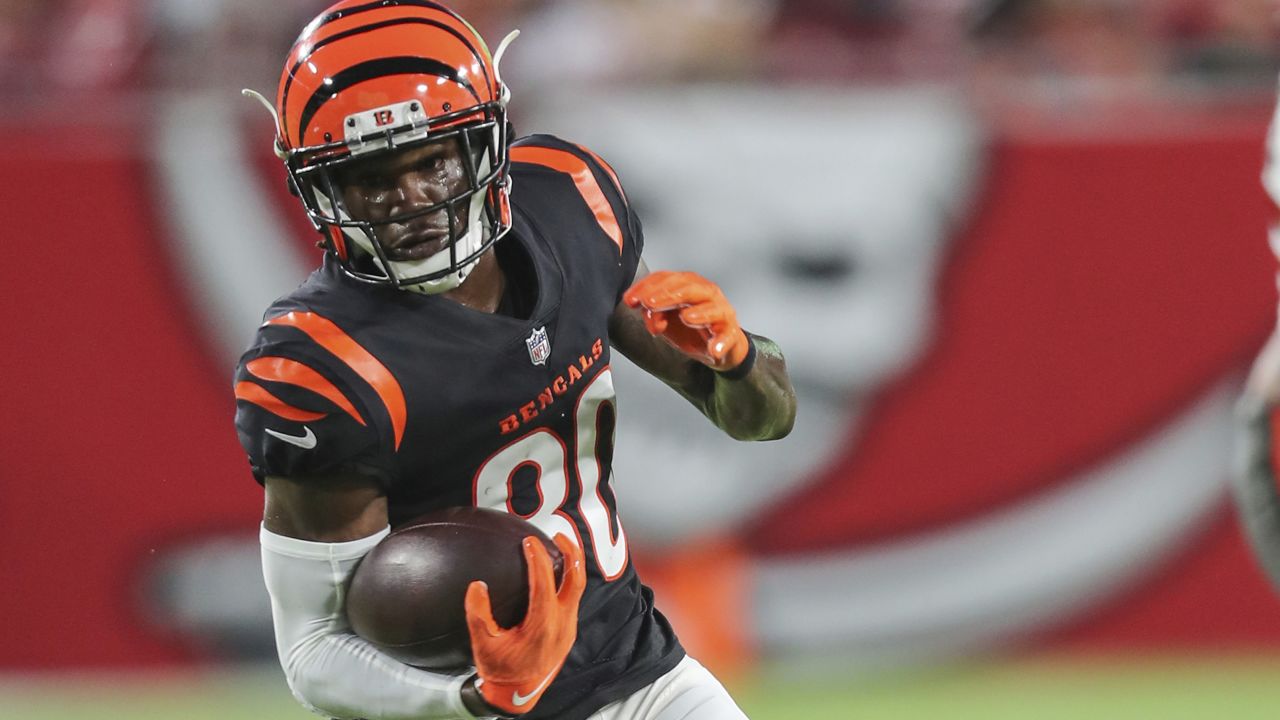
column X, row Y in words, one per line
column 1015, row 250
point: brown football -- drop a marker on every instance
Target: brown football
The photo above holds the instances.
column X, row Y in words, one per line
column 406, row 596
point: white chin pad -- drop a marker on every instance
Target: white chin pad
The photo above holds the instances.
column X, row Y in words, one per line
column 464, row 246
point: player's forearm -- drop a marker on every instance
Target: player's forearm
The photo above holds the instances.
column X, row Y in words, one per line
column 329, row 669
column 342, row 676
column 758, row 406
column 1254, row 483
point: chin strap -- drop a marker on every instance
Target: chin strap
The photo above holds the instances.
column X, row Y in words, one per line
column 277, row 146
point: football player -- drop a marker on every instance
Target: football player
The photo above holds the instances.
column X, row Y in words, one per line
column 454, row 349
column 1258, row 415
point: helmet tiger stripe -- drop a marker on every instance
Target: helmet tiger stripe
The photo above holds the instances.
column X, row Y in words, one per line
column 353, row 46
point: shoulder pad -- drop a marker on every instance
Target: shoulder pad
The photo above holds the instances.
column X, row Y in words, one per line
column 310, row 399
column 595, row 181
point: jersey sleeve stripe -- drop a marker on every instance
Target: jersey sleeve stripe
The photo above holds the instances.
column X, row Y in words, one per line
column 609, row 169
column 258, row 395
column 583, row 178
column 332, row 338
column 284, row 370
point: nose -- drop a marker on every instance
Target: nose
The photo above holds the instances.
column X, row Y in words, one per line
column 415, row 190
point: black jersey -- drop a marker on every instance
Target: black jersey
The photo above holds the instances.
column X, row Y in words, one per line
column 447, row 406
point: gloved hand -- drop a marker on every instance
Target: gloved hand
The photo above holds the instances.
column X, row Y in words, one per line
column 515, row 665
column 691, row 313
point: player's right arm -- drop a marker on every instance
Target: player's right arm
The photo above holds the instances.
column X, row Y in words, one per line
column 318, row 434
column 1254, row 485
column 314, row 532
column 309, row 423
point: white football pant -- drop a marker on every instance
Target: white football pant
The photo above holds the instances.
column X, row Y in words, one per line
column 688, row 692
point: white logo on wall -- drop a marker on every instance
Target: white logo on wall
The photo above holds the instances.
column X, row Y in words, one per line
column 861, row 253
column 539, row 346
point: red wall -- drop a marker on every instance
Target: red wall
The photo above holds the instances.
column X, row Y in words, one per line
column 1128, row 276
column 117, row 433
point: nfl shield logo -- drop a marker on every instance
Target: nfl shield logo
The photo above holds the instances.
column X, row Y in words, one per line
column 539, row 346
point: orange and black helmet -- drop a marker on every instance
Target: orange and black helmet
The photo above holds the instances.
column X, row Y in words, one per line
column 372, row 77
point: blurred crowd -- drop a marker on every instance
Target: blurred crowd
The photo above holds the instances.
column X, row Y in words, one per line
column 84, row 45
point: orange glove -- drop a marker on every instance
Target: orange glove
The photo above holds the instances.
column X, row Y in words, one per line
column 690, row 312
column 516, row 665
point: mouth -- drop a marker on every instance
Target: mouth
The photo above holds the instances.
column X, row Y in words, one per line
column 418, row 244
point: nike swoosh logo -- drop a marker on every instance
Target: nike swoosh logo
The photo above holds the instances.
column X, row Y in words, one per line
column 306, row 441
column 520, row 700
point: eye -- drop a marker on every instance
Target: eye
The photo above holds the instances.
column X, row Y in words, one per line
column 434, row 162
column 360, row 177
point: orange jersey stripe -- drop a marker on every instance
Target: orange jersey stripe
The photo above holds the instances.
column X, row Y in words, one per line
column 332, row 338
column 574, row 166
column 258, row 395
column 609, row 169
column 284, row 370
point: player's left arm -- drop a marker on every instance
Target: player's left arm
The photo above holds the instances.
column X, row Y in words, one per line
column 680, row 328
column 1257, row 416
column 1256, row 493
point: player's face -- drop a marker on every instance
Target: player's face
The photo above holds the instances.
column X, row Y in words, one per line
column 409, row 181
